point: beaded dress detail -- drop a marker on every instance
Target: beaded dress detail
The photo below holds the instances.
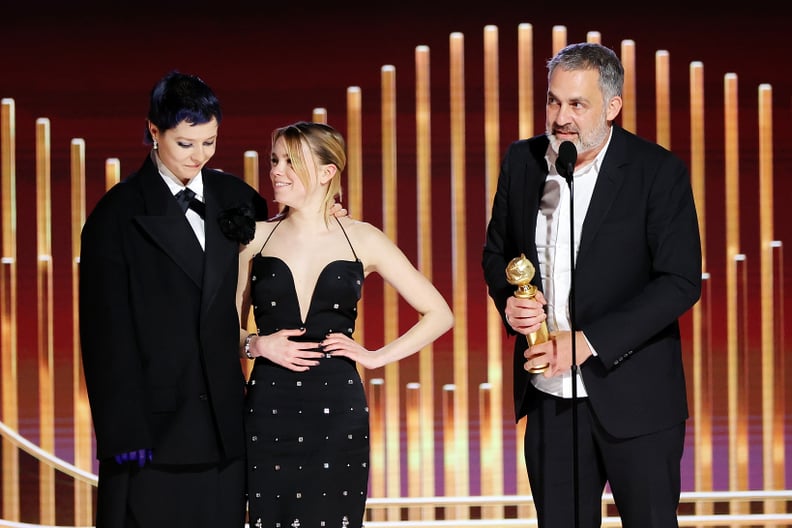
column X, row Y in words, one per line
column 307, row 432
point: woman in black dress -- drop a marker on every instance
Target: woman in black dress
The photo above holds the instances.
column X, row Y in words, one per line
column 307, row 416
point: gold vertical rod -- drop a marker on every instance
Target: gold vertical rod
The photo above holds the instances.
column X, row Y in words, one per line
column 493, row 470
column 594, row 37
column 112, row 172
column 377, row 464
column 736, row 345
column 250, row 169
column 495, row 327
column 739, row 432
column 700, row 312
column 414, row 434
column 319, row 115
column 697, row 150
column 423, row 146
column 354, row 188
column 778, row 435
column 459, row 257
column 559, row 38
column 703, row 393
column 83, row 459
column 45, row 310
column 628, row 114
column 451, row 452
column 663, row 98
column 524, row 511
column 735, row 305
column 8, row 310
column 354, row 140
column 770, row 454
column 390, row 300
column 491, row 481
column 492, row 150
column 250, row 174
column 525, row 84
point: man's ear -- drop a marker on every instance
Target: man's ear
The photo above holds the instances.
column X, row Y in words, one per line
column 614, row 107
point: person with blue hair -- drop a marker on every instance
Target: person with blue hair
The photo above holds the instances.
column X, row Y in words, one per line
column 159, row 326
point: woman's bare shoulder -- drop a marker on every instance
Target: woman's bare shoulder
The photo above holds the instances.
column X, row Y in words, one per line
column 366, row 236
column 263, row 229
column 358, row 228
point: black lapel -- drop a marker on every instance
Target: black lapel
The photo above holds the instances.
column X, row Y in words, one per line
column 535, row 175
column 609, row 181
column 166, row 224
column 221, row 252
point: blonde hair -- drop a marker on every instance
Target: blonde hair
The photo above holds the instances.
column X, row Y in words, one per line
column 327, row 146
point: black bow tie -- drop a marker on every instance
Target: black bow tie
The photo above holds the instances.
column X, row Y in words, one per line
column 187, row 200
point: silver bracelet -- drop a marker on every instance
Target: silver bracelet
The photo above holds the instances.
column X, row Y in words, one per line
column 247, row 346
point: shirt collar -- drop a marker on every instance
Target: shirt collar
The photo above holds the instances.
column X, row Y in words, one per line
column 195, row 184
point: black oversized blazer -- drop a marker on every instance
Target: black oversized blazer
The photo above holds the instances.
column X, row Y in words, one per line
column 638, row 269
column 159, row 328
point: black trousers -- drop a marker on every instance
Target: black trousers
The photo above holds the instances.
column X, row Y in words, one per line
column 643, row 472
column 171, row 496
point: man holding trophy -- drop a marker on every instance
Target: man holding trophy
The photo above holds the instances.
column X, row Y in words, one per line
column 605, row 254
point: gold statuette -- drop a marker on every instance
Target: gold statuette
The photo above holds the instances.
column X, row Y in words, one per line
column 519, row 272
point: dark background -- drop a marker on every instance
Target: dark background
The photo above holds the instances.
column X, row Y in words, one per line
column 89, row 67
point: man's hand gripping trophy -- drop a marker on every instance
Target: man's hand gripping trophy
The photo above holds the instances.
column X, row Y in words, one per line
column 519, row 272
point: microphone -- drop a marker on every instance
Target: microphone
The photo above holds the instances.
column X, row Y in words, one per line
column 565, row 163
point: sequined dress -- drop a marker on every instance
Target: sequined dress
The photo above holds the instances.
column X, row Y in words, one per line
column 307, row 432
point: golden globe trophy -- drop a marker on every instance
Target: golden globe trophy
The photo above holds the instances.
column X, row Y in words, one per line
column 519, row 272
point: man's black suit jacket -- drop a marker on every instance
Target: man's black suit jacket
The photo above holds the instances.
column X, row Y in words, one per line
column 158, row 322
column 638, row 269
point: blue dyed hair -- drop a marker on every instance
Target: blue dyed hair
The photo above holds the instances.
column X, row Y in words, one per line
column 181, row 97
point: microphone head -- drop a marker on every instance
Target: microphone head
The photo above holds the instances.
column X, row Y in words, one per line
column 567, row 156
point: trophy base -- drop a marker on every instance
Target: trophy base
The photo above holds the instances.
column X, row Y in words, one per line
column 538, row 369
